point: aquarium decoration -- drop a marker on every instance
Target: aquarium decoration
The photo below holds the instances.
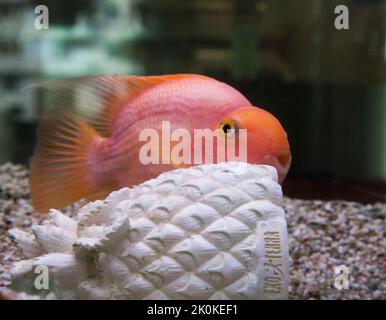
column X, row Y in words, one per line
column 207, row 232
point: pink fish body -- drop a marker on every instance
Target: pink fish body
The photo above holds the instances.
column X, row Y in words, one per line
column 91, row 153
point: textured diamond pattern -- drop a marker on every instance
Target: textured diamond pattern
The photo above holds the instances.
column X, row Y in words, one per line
column 196, row 233
column 200, row 241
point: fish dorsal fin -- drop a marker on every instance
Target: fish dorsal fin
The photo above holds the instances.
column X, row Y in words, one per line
column 97, row 100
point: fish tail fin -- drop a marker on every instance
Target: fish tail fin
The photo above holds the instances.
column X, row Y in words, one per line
column 61, row 171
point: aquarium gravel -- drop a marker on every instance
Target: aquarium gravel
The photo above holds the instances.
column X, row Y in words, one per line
column 322, row 236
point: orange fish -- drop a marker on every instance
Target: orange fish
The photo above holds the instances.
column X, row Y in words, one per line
column 93, row 148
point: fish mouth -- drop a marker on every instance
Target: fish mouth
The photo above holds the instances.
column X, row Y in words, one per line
column 281, row 162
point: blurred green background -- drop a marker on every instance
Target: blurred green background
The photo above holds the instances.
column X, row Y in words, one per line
column 327, row 86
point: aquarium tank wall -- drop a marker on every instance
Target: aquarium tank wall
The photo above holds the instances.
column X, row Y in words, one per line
column 326, row 85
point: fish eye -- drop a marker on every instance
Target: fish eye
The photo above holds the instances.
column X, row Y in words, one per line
column 228, row 127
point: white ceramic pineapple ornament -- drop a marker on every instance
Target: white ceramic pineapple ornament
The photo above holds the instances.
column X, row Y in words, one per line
column 207, row 232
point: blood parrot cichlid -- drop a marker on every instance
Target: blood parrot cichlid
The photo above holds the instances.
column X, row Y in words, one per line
column 94, row 148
